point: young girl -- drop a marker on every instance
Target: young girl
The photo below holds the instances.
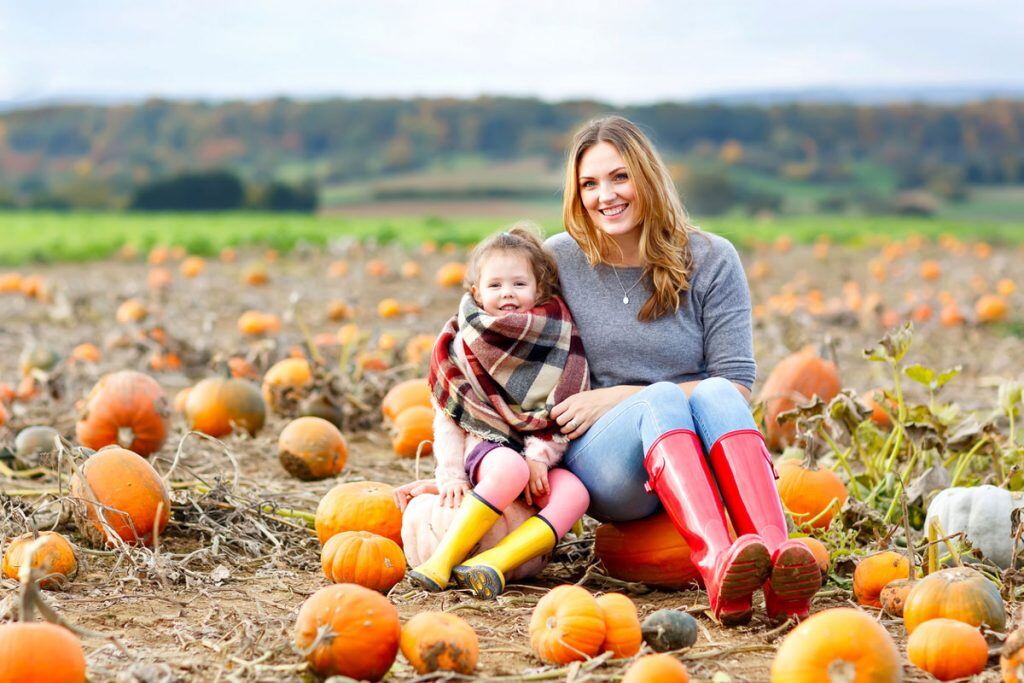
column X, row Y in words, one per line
column 498, row 367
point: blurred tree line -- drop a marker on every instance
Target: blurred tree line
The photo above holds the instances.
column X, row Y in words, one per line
column 125, row 155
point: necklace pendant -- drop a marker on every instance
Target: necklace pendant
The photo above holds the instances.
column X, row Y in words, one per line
column 625, row 299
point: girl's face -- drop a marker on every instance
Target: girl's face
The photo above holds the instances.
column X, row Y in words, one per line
column 506, row 284
column 607, row 191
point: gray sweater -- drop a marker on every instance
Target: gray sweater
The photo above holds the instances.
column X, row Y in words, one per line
column 709, row 336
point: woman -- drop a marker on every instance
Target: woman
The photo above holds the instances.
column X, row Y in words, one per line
column 664, row 313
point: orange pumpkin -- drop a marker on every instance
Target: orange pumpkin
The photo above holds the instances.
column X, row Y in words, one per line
column 812, row 496
column 337, row 269
column 451, row 274
column 10, row 283
column 1011, row 658
column 411, row 392
column 228, row 255
column 622, row 634
column 217, row 404
column 364, row 627
column 55, row 559
column 193, row 266
column 86, row 353
column 365, row 558
column 958, row 593
column 411, row 269
column 359, row 506
column 875, row 572
column 40, row 651
column 413, row 426
column 158, row 255
column 126, row 408
column 131, row 311
column 948, row 649
column 286, row 380
column 796, row 379
column 418, row 349
column 242, row 369
column 256, row 323
column 376, row 268
column 255, row 275
column 435, row 641
column 338, row 310
column 567, row 625
column 894, row 596
column 657, row 669
column 648, row 550
column 930, row 270
column 4, row 415
column 820, row 552
column 840, row 644
column 181, row 400
column 991, row 308
column 311, row 448
column 389, row 308
column 130, row 493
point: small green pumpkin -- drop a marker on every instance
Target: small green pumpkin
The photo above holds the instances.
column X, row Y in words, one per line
column 669, row 629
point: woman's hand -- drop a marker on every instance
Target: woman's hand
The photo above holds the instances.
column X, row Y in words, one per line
column 579, row 412
column 406, row 492
column 538, row 484
column 452, row 492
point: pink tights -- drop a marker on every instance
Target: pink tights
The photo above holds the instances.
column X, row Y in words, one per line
column 503, row 474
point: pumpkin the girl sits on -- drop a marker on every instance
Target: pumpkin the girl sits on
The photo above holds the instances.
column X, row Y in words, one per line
column 500, row 364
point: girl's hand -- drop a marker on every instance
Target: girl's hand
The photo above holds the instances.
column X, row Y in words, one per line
column 406, row 492
column 537, row 487
column 579, row 412
column 452, row 492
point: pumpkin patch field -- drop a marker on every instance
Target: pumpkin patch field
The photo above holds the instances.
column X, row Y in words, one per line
column 198, row 454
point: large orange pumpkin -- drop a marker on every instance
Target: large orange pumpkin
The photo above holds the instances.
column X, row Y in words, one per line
column 796, row 379
column 287, row 380
column 359, row 506
column 435, row 641
column 55, row 559
column 567, row 625
column 875, row 572
column 125, row 408
column 622, row 634
column 837, row 646
column 361, row 557
column 648, row 550
column 311, row 448
column 657, row 669
column 958, row 593
column 216, row 404
column 948, row 649
column 40, row 651
column 363, row 632
column 411, row 392
column 130, row 491
column 812, row 495
column 412, row 431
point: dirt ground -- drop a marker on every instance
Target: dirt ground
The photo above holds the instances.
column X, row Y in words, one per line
column 217, row 601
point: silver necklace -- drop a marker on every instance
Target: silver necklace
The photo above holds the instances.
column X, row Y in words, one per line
column 625, row 292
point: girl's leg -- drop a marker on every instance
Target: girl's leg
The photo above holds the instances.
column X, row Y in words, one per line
column 745, row 476
column 560, row 508
column 649, row 441
column 501, row 476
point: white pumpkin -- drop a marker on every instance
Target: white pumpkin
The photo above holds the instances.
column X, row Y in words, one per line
column 425, row 521
column 983, row 514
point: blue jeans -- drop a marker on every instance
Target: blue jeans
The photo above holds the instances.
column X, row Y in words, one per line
column 609, row 457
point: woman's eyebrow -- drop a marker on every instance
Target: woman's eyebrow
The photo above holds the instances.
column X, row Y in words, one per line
column 612, row 172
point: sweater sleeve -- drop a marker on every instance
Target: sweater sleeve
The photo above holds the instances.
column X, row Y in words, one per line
column 728, row 329
column 449, row 450
column 547, row 452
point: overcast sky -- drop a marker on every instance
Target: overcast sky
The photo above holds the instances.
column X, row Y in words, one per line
column 635, row 51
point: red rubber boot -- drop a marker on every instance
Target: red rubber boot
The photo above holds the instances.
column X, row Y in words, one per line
column 732, row 570
column 746, row 478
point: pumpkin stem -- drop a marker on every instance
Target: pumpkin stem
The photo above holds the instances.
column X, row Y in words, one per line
column 911, row 554
column 125, row 436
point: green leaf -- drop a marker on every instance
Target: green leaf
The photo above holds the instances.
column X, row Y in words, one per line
column 1009, row 396
column 920, row 374
column 947, row 375
column 893, row 346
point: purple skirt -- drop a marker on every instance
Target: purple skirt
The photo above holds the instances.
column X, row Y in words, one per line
column 476, row 455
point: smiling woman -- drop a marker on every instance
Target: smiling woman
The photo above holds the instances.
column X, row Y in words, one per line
column 667, row 423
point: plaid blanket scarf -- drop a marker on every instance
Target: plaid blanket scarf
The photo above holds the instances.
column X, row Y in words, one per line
column 499, row 377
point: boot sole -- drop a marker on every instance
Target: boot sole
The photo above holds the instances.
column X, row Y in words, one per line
column 485, row 582
column 795, row 576
column 424, row 582
column 745, row 573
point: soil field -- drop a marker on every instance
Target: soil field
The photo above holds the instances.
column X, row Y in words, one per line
column 217, row 600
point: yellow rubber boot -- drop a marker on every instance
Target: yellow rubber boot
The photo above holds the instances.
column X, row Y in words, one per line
column 485, row 573
column 473, row 519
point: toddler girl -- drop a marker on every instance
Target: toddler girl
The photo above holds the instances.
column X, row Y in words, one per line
column 510, row 355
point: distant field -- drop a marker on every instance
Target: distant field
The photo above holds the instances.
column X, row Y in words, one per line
column 33, row 236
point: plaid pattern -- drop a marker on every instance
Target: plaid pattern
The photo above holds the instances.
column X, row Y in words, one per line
column 499, row 377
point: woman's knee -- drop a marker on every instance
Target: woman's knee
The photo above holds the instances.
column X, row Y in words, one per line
column 505, row 464
column 668, row 405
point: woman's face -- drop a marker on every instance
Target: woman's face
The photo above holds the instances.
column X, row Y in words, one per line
column 607, row 191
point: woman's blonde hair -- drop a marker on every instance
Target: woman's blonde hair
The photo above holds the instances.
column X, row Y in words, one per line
column 664, row 226
column 523, row 237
